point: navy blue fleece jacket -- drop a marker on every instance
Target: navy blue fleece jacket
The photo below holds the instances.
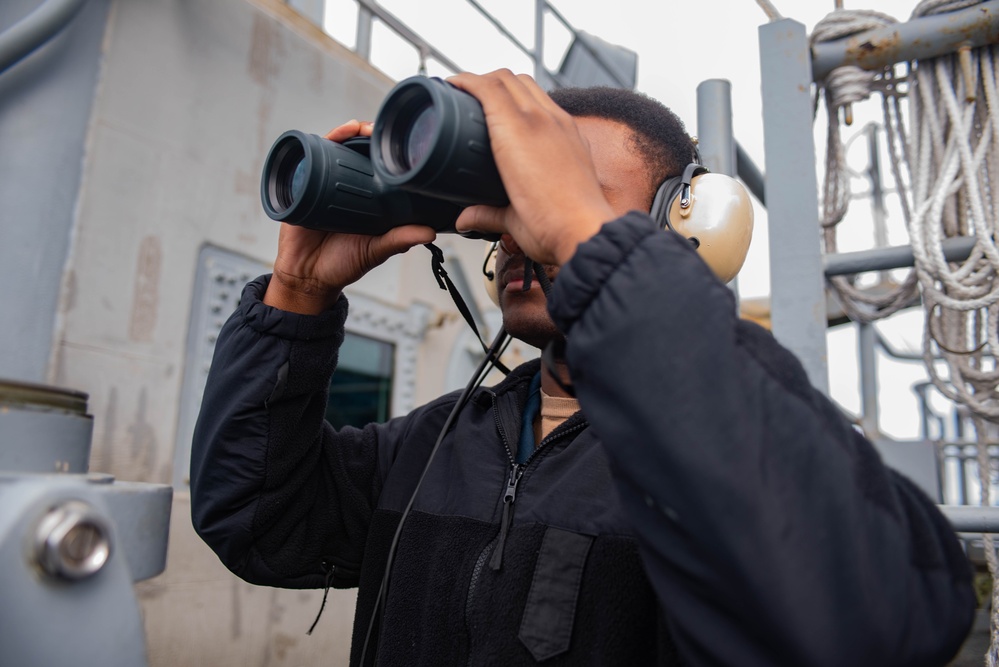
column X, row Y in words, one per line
column 768, row 531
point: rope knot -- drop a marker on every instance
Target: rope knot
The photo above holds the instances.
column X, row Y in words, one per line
column 849, row 84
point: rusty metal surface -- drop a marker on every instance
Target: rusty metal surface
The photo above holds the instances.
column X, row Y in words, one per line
column 925, row 37
column 29, row 395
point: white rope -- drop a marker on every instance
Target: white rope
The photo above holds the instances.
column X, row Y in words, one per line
column 989, row 546
column 954, row 194
column 843, row 87
column 951, row 158
column 954, row 152
column 769, row 9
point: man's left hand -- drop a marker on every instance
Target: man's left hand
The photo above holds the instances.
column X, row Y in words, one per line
column 556, row 201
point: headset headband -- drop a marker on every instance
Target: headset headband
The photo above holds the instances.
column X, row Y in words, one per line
column 668, row 191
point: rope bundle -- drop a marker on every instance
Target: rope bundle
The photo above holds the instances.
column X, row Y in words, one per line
column 842, row 87
column 952, row 160
column 955, row 155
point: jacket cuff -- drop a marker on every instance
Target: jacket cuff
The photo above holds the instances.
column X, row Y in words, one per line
column 581, row 278
column 272, row 321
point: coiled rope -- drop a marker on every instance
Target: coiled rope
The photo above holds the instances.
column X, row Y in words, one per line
column 952, row 159
column 955, row 155
column 843, row 87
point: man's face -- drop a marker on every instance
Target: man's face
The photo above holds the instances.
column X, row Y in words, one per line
column 624, row 178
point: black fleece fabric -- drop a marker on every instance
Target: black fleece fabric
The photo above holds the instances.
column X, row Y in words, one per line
column 706, row 507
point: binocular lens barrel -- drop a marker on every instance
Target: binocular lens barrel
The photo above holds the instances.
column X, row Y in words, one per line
column 429, row 158
column 320, row 184
column 429, row 137
column 287, row 177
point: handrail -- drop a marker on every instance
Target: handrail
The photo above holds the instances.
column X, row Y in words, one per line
column 972, row 518
column 955, row 249
column 370, row 9
column 398, row 27
column 504, row 31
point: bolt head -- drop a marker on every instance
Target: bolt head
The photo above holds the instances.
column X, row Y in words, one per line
column 73, row 541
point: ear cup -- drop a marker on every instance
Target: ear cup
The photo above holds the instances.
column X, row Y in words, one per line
column 713, row 211
column 720, row 217
column 489, row 273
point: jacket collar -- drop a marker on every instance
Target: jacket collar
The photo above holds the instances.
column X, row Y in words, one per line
column 509, row 397
column 518, row 380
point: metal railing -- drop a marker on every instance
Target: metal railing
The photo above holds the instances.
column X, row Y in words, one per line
column 369, row 11
column 972, row 519
column 959, row 473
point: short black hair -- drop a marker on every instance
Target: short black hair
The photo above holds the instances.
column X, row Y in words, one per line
column 658, row 133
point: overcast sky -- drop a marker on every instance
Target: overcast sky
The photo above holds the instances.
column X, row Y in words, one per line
column 679, row 45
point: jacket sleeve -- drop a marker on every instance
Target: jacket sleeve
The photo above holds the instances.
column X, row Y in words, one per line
column 770, row 529
column 282, row 498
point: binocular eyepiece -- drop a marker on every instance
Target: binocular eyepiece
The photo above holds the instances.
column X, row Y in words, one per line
column 428, row 158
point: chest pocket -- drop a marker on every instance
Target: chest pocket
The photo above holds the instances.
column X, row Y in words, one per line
column 546, row 627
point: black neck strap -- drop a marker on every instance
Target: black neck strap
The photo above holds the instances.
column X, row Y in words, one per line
column 445, row 283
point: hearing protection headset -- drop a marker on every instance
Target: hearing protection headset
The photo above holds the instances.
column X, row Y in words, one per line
column 712, row 211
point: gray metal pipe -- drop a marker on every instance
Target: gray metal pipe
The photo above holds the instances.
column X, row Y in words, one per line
column 895, row 257
column 36, row 29
column 798, row 304
column 714, row 126
column 869, row 421
column 750, row 174
column 924, row 37
column 365, row 23
column 972, row 519
column 539, row 43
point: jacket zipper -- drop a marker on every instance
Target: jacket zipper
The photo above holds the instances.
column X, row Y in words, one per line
column 484, row 554
column 510, row 495
column 495, row 546
column 516, row 470
column 480, row 562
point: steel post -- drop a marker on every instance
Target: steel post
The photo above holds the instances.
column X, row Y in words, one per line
column 866, row 341
column 798, row 304
column 715, row 139
column 365, row 22
column 540, row 72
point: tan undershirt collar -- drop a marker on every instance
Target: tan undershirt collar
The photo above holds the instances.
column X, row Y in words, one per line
column 554, row 411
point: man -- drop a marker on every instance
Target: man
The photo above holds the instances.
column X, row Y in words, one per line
column 705, row 506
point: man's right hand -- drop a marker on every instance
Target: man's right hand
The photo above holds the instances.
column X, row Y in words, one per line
column 313, row 266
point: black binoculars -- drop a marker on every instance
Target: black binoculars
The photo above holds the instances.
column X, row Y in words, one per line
column 428, row 157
